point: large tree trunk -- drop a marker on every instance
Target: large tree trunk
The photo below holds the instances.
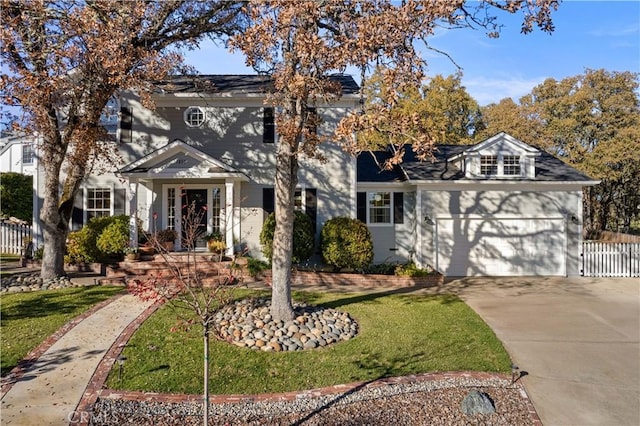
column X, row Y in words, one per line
column 54, row 228
column 286, row 175
column 57, row 207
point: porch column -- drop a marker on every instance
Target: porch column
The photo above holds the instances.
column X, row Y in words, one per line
column 133, row 212
column 229, row 216
column 420, row 225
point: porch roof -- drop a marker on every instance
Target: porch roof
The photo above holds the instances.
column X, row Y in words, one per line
column 178, row 159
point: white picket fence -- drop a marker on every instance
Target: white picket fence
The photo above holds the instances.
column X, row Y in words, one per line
column 13, row 237
column 610, row 259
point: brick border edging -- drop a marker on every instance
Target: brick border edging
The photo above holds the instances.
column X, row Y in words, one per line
column 32, row 357
column 95, row 386
column 319, row 392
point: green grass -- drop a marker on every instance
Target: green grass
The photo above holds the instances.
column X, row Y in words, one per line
column 27, row 319
column 399, row 335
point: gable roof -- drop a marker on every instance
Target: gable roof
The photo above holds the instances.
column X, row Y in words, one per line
column 444, row 168
column 503, row 138
column 179, row 159
column 237, row 84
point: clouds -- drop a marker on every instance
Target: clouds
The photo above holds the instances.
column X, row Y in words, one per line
column 487, row 90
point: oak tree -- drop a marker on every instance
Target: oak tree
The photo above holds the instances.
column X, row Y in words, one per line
column 302, row 42
column 64, row 59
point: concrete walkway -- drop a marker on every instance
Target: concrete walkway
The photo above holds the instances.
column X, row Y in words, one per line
column 49, row 391
column 577, row 338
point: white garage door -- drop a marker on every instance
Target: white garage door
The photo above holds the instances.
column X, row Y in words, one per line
column 501, row 246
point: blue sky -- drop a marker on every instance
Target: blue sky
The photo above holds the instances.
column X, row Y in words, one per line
column 588, row 34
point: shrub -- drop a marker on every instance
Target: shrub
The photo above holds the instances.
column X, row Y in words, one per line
column 303, row 237
column 410, row 269
column 346, row 243
column 82, row 245
column 114, row 239
column 16, row 192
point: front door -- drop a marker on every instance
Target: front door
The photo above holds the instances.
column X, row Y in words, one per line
column 198, row 199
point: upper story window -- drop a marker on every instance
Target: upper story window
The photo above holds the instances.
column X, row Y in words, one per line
column 27, row 153
column 268, row 126
column 488, row 165
column 511, row 164
column 194, row 116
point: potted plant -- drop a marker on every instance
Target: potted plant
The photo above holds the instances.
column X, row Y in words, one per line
column 131, row 253
column 166, row 238
column 215, row 244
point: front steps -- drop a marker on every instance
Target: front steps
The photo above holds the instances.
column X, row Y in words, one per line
column 169, row 267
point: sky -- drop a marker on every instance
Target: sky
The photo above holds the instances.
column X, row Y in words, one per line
column 588, row 35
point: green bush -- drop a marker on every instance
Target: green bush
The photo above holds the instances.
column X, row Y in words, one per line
column 16, row 193
column 346, row 243
column 114, row 239
column 303, row 237
column 410, row 269
column 82, row 245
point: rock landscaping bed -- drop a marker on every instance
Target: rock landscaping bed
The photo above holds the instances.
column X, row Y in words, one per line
column 437, row 401
column 248, row 323
column 31, row 281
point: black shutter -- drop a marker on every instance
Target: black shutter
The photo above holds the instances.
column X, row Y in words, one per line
column 77, row 218
column 120, row 195
column 362, row 206
column 268, row 200
column 268, row 126
column 398, row 207
column 311, row 205
column 126, row 124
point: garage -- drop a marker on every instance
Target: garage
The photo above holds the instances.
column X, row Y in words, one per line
column 507, row 246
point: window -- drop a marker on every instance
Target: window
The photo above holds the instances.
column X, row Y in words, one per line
column 511, row 165
column 216, row 208
column 379, row 207
column 488, row 165
column 312, row 121
column 305, row 200
column 171, row 208
column 268, row 126
column 194, row 116
column 98, row 202
column 126, row 124
column 27, row 153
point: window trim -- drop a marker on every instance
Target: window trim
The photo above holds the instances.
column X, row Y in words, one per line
column 29, row 148
column 186, row 116
column 390, row 207
column 109, row 189
column 516, row 164
column 500, row 165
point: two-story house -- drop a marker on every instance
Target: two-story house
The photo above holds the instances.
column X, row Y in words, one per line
column 500, row 207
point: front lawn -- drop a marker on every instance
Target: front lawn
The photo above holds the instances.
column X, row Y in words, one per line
column 399, row 335
column 27, row 319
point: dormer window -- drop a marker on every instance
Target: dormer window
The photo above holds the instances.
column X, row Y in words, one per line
column 194, row 116
column 511, row 164
column 488, row 165
column 499, row 157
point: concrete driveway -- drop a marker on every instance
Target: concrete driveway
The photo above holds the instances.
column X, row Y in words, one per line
column 577, row 338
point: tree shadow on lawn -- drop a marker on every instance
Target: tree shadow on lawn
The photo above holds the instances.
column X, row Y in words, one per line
column 49, row 302
column 411, row 294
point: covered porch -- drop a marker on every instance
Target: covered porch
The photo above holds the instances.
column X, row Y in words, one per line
column 164, row 183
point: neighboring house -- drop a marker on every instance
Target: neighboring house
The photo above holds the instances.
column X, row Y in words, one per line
column 500, row 207
column 17, row 153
